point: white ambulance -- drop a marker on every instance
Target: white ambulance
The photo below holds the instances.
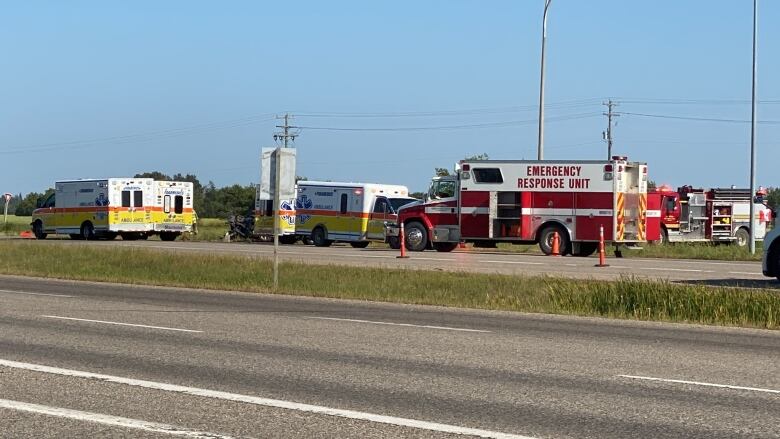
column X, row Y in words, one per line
column 97, row 208
column 172, row 213
column 356, row 213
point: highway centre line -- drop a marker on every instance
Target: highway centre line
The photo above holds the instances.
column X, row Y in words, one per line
column 120, row 323
column 266, row 402
column 699, row 383
column 445, row 328
column 98, row 418
column 29, row 293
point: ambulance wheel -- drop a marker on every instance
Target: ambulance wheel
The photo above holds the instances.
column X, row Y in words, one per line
column 320, row 237
column 445, row 246
column 168, row 236
column 288, row 239
column 38, row 230
column 587, row 249
column 743, row 236
column 394, row 242
column 359, row 244
column 546, row 240
column 87, row 231
column 416, row 237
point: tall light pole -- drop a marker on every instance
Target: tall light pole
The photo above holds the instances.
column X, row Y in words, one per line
column 752, row 243
column 540, row 146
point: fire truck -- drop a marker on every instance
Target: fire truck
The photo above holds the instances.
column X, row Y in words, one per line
column 527, row 201
column 720, row 215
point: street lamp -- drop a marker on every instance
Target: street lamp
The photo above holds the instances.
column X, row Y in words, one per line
column 540, row 145
column 752, row 244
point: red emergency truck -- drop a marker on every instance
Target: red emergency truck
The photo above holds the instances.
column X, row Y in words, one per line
column 527, row 201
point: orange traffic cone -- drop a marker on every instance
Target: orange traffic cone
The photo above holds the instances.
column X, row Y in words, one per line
column 602, row 252
column 26, row 234
column 556, row 244
column 402, row 239
column 462, row 244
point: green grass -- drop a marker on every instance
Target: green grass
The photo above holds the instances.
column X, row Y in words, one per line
column 626, row 298
column 15, row 224
column 209, row 229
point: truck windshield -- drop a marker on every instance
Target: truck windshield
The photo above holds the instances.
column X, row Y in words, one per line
column 441, row 189
column 398, row 202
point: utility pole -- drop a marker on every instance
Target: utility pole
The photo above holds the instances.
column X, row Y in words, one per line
column 540, row 145
column 608, row 134
column 284, row 137
column 752, row 243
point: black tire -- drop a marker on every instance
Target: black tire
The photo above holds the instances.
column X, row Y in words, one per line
column 288, row 239
column 664, row 239
column 168, row 236
column 416, row 237
column 587, row 249
column 359, row 244
column 445, row 247
column 394, row 242
column 743, row 237
column 87, row 231
column 546, row 237
column 320, row 237
column 37, row 230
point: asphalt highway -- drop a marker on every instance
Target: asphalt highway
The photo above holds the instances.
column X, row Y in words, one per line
column 81, row 359
column 727, row 273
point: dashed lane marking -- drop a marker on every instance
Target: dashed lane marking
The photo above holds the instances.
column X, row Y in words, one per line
column 266, row 402
column 445, row 328
column 30, row 293
column 699, row 383
column 99, row 418
column 121, row 324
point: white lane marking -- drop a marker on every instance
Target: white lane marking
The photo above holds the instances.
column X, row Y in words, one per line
column 266, row 402
column 29, row 293
column 698, row 383
column 446, row 328
column 748, row 273
column 687, row 270
column 120, row 323
column 99, row 418
column 513, row 262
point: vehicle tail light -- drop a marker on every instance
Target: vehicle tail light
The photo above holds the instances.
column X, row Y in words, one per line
column 465, row 167
column 607, row 168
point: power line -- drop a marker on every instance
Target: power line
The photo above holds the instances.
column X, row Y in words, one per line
column 466, row 112
column 453, row 127
column 671, row 101
column 699, row 119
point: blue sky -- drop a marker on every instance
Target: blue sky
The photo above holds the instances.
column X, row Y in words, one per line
column 99, row 89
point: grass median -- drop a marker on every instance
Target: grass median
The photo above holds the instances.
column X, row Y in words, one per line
column 626, row 298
